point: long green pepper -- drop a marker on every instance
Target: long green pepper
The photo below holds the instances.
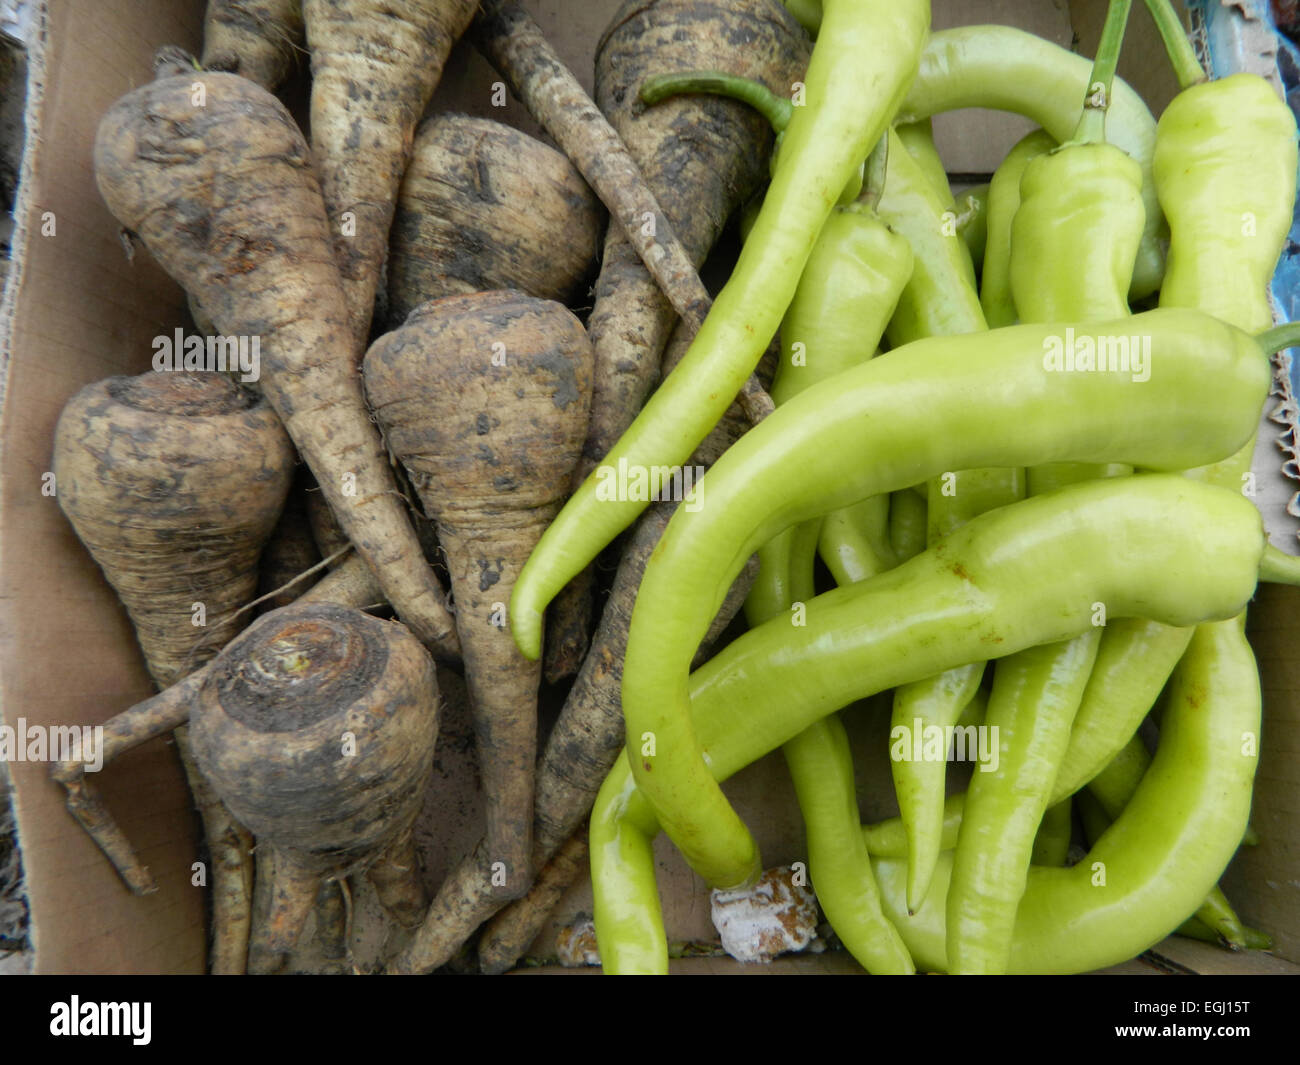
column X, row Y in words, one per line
column 1008, row 580
column 1205, row 384
column 864, row 60
column 844, row 299
column 846, row 296
column 1114, row 788
column 1009, row 69
column 939, row 300
column 1074, row 241
column 1158, row 861
column 1004, row 201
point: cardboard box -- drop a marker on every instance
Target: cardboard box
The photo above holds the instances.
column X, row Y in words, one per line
column 76, row 311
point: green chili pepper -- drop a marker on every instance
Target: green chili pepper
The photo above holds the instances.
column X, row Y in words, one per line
column 1074, row 240
column 940, row 299
column 1066, row 216
column 1030, row 711
column 808, row 13
column 847, row 293
column 918, row 138
column 1093, row 817
column 785, row 572
column 1075, row 235
column 908, row 517
column 1004, row 200
column 1195, row 928
column 921, row 708
column 1134, row 660
column 1159, row 859
column 1052, row 844
column 821, row 766
column 864, row 59
column 840, row 313
column 1225, row 172
column 888, row 838
column 999, row 398
column 1008, row 69
column 1006, row 581
column 1114, row 787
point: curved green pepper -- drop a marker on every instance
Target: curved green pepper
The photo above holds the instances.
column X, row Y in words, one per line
column 939, row 300
column 908, row 518
column 918, row 138
column 1008, row 580
column 1198, row 394
column 846, row 296
column 1075, row 234
column 1004, row 201
column 1052, row 844
column 864, row 59
column 1074, row 240
column 1009, row 69
column 1225, row 171
column 1158, row 861
column 1114, row 788
column 973, row 222
column 821, row 767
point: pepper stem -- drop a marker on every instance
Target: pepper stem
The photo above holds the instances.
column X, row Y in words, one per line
column 1280, row 337
column 1277, row 567
column 1182, row 56
column 776, row 109
column 1092, row 123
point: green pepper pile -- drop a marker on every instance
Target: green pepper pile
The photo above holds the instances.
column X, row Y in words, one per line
column 1082, row 471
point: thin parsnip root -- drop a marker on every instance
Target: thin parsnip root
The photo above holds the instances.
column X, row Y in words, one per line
column 702, row 157
column 374, row 65
column 230, row 850
column 397, row 882
column 258, row 39
column 165, row 712
column 332, row 926
column 484, row 398
column 485, row 206
column 223, row 196
column 291, row 551
column 515, row 46
column 351, row 584
column 508, row 934
column 319, row 708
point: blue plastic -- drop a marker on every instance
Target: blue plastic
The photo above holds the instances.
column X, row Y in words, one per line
column 1222, row 25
